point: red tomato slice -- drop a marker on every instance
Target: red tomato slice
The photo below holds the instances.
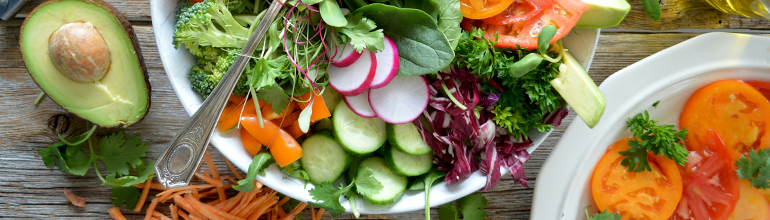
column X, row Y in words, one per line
column 519, row 11
column 563, row 14
column 763, row 87
column 752, row 204
column 710, row 184
column 480, row 9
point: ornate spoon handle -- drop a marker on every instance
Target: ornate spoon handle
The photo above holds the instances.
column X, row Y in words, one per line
column 177, row 165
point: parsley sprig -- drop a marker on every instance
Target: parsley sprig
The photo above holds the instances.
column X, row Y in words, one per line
column 604, row 215
column 650, row 137
column 118, row 153
column 755, row 168
column 328, row 197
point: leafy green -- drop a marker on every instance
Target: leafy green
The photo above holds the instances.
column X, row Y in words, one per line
column 129, row 195
column 118, row 153
column 471, row 207
column 525, row 65
column 423, row 48
column 266, row 71
column 544, row 38
column 604, row 215
column 755, row 168
column 294, row 169
column 448, row 212
column 276, row 97
column 449, row 18
column 428, row 6
column 360, row 31
column 257, row 166
column 650, row 137
column 326, row 196
column 428, row 181
column 655, row 105
column 331, row 13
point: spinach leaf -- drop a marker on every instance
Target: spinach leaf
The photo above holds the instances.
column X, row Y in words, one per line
column 422, row 47
column 332, row 14
column 428, row 6
column 449, row 18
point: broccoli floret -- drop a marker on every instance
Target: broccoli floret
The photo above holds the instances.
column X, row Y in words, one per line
column 203, row 52
column 206, row 75
column 209, row 23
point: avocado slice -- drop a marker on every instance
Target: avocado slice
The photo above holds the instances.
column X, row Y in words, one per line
column 85, row 56
column 579, row 90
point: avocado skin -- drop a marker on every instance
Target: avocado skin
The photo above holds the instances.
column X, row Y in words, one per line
column 127, row 29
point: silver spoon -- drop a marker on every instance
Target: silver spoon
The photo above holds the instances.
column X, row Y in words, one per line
column 177, row 165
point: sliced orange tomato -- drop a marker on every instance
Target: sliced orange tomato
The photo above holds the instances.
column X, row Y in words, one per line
column 480, row 9
column 519, row 11
column 251, row 143
column 710, row 184
column 282, row 145
column 762, row 86
column 738, row 113
column 288, row 120
column 752, row 204
column 320, row 111
column 636, row 195
column 269, row 114
column 563, row 14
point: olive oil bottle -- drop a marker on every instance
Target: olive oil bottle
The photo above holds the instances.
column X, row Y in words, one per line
column 748, row 8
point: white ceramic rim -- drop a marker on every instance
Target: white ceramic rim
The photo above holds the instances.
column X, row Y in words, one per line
column 583, row 42
column 562, row 190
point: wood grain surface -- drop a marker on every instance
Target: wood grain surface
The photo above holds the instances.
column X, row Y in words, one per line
column 28, row 189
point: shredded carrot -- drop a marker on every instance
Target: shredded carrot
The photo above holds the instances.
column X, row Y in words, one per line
column 186, row 206
column 251, row 207
column 213, row 203
column 173, row 190
column 231, row 179
column 175, row 214
column 116, row 214
column 151, row 208
column 293, row 212
column 213, row 182
column 183, row 215
column 232, row 168
column 206, row 173
column 199, row 207
column 166, row 197
column 143, row 197
column 155, row 186
column 263, row 208
column 312, row 213
column 320, row 213
column 214, row 172
column 154, row 213
column 284, row 200
column 207, row 194
column 195, row 194
column 163, row 217
column 76, row 200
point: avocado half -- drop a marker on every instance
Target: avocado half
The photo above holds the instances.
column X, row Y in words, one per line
column 85, row 56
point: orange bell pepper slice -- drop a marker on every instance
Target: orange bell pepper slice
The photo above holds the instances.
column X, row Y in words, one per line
column 269, row 114
column 282, row 145
column 288, row 120
column 294, row 130
column 319, row 106
column 251, row 143
column 231, row 120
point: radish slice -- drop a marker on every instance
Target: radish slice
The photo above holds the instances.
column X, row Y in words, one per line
column 387, row 64
column 360, row 105
column 345, row 55
column 356, row 78
column 401, row 101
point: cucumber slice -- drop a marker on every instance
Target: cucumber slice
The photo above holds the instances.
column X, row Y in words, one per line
column 324, row 160
column 406, row 138
column 393, row 185
column 406, row 164
column 356, row 134
column 323, row 124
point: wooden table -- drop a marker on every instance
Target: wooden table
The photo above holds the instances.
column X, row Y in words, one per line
column 28, row 189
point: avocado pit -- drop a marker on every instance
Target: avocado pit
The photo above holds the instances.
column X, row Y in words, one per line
column 79, row 51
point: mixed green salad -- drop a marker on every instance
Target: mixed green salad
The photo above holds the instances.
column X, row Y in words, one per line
column 411, row 92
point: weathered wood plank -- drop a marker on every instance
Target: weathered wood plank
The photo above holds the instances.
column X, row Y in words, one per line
column 134, row 10
column 688, row 14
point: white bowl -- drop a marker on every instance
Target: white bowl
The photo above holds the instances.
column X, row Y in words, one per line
column 177, row 63
column 563, row 189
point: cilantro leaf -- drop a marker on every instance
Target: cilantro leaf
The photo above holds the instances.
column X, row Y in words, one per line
column 360, row 32
column 144, row 172
column 329, row 196
column 129, row 195
column 604, row 215
column 472, row 206
column 366, row 183
column 448, row 212
column 274, row 96
column 119, row 154
column 755, row 168
column 257, row 166
column 649, row 137
column 265, row 71
column 69, row 159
